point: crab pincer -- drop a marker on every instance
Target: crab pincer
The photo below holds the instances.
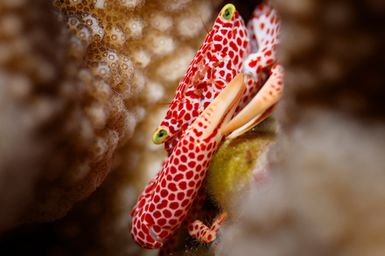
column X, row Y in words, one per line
column 260, row 107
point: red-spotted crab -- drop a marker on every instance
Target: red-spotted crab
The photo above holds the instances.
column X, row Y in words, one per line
column 235, row 66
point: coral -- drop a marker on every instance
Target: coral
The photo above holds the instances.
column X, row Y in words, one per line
column 57, row 146
column 78, row 79
column 325, row 192
column 130, row 44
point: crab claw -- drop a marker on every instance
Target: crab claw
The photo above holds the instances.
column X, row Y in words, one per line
column 219, row 112
column 260, row 107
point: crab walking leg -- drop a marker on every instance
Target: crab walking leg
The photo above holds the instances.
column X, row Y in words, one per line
column 206, row 234
column 167, row 200
column 264, row 28
column 259, row 107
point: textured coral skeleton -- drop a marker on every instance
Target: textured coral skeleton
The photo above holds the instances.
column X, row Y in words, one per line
column 187, row 130
column 77, row 77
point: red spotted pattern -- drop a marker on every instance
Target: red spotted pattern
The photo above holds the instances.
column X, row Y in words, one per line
column 168, row 198
column 201, row 232
column 216, row 63
column 264, row 28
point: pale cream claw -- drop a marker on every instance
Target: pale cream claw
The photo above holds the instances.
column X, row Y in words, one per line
column 260, row 107
column 219, row 112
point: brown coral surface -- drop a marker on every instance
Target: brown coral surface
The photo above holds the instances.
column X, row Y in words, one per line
column 56, row 144
column 77, row 77
column 76, row 80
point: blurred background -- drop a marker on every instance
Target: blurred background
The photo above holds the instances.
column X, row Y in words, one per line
column 84, row 83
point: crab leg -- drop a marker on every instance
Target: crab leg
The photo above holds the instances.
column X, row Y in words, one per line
column 260, row 107
column 203, row 233
column 167, row 200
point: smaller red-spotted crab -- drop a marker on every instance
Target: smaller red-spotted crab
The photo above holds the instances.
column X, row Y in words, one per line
column 234, row 66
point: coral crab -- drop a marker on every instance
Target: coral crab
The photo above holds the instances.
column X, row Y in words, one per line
column 235, row 72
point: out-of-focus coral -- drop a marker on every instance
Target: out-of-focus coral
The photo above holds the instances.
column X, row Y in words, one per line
column 58, row 130
column 75, row 82
column 325, row 194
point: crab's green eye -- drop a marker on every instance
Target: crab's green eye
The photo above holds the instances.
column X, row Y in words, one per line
column 228, row 11
column 160, row 135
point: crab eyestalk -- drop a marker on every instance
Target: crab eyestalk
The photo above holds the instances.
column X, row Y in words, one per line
column 160, row 135
column 227, row 12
